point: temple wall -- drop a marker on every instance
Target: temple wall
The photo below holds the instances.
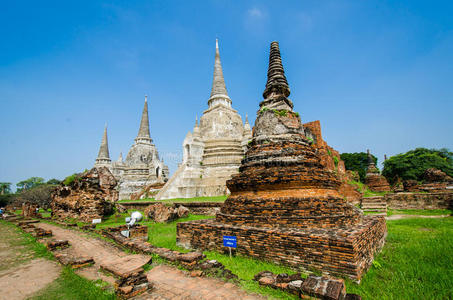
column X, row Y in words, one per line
column 343, row 251
column 420, row 200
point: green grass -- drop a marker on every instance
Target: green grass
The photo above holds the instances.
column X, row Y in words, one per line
column 18, row 239
column 164, row 234
column 246, row 268
column 423, row 212
column 195, row 199
column 412, row 265
column 138, row 200
column 365, row 190
column 70, row 286
column 415, row 263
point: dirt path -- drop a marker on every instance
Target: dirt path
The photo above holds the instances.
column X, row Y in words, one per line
column 102, row 252
column 20, row 275
column 172, row 283
column 398, row 217
column 169, row 282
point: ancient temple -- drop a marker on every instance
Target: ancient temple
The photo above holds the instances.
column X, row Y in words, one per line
column 142, row 166
column 284, row 204
column 212, row 152
column 373, row 179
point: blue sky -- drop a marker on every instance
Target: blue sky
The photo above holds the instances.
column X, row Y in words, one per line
column 378, row 74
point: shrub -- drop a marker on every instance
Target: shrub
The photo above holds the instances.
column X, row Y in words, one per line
column 335, row 161
column 264, row 109
column 6, row 199
column 70, row 179
column 281, row 113
column 40, row 195
column 414, row 163
column 357, row 162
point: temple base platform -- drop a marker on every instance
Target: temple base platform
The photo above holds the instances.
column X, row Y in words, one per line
column 336, row 251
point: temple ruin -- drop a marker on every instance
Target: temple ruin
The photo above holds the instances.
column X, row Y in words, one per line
column 373, row 179
column 213, row 150
column 142, row 166
column 284, row 204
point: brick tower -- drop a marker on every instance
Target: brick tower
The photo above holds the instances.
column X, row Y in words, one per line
column 284, row 204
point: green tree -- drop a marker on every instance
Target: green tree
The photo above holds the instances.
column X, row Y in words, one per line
column 53, row 181
column 40, row 195
column 5, row 188
column 29, row 183
column 414, row 163
column 357, row 162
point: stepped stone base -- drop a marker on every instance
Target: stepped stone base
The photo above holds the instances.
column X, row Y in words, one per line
column 374, row 204
column 333, row 251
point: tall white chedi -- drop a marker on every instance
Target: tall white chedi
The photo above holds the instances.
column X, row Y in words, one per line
column 212, row 152
column 142, row 166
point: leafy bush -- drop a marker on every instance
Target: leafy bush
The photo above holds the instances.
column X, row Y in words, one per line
column 6, row 199
column 70, row 179
column 40, row 195
column 53, row 181
column 29, row 183
column 414, row 163
column 264, row 109
column 335, row 160
column 357, row 162
column 281, row 113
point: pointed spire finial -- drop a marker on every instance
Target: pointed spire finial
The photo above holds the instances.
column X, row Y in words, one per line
column 196, row 120
column 276, row 80
column 370, row 157
column 246, row 118
column 143, row 132
column 218, row 83
column 103, row 154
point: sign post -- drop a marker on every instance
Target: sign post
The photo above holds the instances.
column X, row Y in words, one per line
column 230, row 242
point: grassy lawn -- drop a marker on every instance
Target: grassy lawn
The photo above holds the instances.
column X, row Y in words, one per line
column 164, row 234
column 424, row 212
column 416, row 262
column 68, row 286
column 365, row 190
column 138, row 200
column 196, row 199
column 412, row 265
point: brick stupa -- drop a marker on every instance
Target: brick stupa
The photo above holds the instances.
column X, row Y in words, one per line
column 284, row 204
column 373, row 179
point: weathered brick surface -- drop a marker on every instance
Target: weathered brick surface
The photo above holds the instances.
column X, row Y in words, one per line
column 373, row 179
column 336, row 251
column 88, row 197
column 377, row 183
column 420, row 200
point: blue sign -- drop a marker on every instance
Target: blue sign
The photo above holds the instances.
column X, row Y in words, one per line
column 229, row 241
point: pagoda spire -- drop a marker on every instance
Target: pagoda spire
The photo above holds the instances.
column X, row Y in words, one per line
column 143, row 132
column 276, row 80
column 218, row 82
column 103, row 155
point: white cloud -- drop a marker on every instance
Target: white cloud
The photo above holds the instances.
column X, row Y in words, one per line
column 255, row 12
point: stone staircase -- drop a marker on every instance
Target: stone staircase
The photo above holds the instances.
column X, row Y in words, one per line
column 374, row 204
